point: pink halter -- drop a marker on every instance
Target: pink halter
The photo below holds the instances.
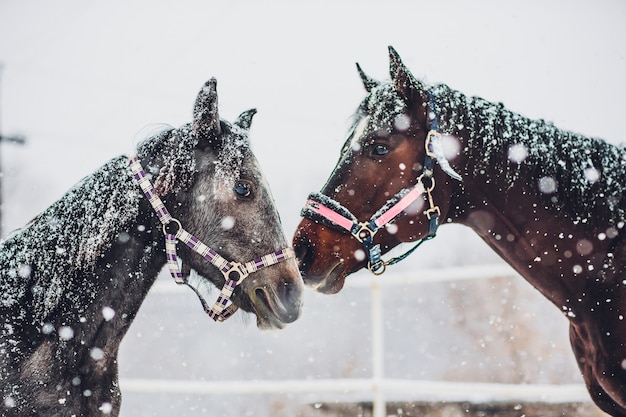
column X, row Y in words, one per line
column 333, row 214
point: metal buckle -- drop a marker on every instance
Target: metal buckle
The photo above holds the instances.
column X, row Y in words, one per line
column 364, row 232
column 432, row 183
column 433, row 210
column 237, row 268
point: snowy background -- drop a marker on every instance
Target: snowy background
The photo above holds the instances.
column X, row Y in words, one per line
column 84, row 81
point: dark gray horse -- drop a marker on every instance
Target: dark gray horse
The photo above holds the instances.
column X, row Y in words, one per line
column 72, row 280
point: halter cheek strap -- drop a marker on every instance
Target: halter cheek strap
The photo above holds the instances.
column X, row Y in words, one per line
column 323, row 208
column 234, row 272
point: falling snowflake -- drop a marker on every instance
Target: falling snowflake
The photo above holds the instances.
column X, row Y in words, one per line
column 108, row 313
column 106, row 408
column 402, row 122
column 96, row 354
column 391, row 228
column 517, row 153
column 228, row 222
column 592, row 175
column 66, row 333
column 547, row 185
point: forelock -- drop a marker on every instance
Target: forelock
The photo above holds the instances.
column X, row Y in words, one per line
column 382, row 105
column 232, row 154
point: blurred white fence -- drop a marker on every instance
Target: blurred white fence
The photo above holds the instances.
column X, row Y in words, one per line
column 378, row 386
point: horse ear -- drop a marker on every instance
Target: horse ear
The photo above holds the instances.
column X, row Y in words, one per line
column 206, row 119
column 405, row 83
column 245, row 119
column 368, row 82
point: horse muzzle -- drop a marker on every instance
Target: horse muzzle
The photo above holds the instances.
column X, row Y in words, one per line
column 321, row 271
column 275, row 297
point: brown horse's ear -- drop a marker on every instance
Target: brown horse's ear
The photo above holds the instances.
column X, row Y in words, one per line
column 206, row 119
column 368, row 83
column 406, row 84
column 245, row 119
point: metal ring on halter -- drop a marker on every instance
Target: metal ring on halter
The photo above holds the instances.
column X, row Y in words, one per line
column 364, row 232
column 239, row 269
column 432, row 183
column 180, row 227
column 380, row 265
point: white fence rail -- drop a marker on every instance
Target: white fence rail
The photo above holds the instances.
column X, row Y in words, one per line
column 378, row 387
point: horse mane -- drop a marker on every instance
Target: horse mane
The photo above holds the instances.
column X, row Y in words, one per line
column 586, row 176
column 44, row 259
column 46, row 255
column 172, row 150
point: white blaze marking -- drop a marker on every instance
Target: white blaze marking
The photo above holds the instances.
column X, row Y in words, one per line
column 358, row 132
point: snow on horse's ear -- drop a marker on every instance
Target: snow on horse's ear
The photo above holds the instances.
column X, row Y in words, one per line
column 206, row 119
column 244, row 120
column 368, row 82
column 405, row 83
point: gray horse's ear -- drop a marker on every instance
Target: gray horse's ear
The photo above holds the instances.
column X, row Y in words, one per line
column 404, row 82
column 245, row 119
column 206, row 119
column 368, row 83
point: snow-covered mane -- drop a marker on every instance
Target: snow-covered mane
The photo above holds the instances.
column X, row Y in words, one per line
column 582, row 176
column 78, row 227
column 85, row 222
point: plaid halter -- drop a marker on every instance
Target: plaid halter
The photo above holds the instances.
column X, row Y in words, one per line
column 234, row 272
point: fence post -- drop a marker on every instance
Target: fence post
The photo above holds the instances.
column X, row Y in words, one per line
column 378, row 351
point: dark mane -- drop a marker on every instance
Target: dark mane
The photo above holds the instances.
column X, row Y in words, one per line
column 84, row 223
column 585, row 177
column 175, row 158
column 76, row 228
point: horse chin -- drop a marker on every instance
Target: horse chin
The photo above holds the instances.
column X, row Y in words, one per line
column 271, row 310
column 332, row 282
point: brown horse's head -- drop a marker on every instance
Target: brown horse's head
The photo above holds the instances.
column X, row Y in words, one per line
column 383, row 157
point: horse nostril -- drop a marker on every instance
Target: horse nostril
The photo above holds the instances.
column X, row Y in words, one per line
column 304, row 253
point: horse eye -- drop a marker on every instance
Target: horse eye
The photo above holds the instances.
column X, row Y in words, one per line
column 243, row 189
column 380, row 150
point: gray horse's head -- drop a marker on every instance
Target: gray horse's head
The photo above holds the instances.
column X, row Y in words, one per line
column 210, row 181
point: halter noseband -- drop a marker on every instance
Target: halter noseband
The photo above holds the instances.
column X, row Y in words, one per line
column 320, row 207
column 234, row 272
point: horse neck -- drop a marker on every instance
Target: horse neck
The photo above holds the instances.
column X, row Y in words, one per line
column 125, row 272
column 85, row 263
column 501, row 201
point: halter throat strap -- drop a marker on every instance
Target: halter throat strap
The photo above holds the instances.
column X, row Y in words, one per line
column 234, row 272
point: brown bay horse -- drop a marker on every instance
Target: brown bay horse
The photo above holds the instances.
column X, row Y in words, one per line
column 549, row 202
